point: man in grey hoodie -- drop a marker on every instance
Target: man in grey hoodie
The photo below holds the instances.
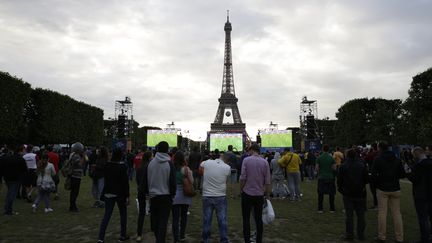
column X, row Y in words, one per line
column 162, row 188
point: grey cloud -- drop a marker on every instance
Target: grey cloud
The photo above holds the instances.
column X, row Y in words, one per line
column 168, row 55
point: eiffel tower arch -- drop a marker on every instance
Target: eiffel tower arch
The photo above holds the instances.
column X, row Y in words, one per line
column 228, row 117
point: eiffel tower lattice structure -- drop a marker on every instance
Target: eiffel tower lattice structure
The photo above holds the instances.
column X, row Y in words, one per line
column 228, row 117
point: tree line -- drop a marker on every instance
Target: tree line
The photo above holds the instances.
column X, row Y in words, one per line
column 363, row 121
column 41, row 116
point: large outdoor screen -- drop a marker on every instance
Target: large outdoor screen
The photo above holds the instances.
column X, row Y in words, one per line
column 156, row 136
column 276, row 139
column 221, row 141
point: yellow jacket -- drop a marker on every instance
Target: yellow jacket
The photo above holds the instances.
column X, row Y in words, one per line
column 291, row 162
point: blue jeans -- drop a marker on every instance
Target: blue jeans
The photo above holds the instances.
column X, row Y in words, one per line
column 294, row 184
column 109, row 207
column 97, row 187
column 10, row 196
column 45, row 196
column 220, row 205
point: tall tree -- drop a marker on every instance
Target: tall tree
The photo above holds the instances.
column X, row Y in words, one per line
column 363, row 121
column 418, row 108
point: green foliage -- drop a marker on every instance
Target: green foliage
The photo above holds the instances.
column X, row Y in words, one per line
column 14, row 94
column 362, row 121
column 418, row 107
column 42, row 116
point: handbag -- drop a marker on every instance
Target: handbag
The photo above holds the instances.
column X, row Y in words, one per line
column 48, row 185
column 188, row 189
column 268, row 214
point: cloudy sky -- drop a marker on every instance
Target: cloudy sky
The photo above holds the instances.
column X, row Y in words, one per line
column 168, row 55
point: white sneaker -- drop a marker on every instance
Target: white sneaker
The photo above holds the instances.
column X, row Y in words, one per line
column 34, row 207
column 47, row 210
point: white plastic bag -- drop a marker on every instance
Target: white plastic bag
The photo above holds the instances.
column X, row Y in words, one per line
column 268, row 214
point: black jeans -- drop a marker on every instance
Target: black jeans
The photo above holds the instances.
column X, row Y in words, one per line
column 109, row 207
column 424, row 212
column 248, row 203
column 179, row 222
column 142, row 212
column 75, row 187
column 160, row 207
column 321, row 201
column 359, row 206
column 374, row 194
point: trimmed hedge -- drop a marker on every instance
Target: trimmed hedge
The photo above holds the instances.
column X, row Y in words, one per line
column 41, row 116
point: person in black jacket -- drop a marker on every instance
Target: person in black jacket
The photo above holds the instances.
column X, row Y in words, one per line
column 386, row 172
column 13, row 169
column 421, row 177
column 351, row 181
column 116, row 190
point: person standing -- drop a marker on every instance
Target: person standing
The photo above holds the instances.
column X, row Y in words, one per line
column 232, row 162
column 141, row 177
column 291, row 162
column 77, row 160
column 116, row 191
column 421, row 177
column 338, row 156
column 254, row 184
column 386, row 172
column 97, row 168
column 30, row 178
column 351, row 182
column 195, row 159
column 215, row 173
column 181, row 202
column 310, row 164
column 54, row 159
column 45, row 183
column 325, row 169
column 13, row 168
column 161, row 180
column 369, row 159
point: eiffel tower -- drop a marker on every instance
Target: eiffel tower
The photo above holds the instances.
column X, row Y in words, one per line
column 228, row 116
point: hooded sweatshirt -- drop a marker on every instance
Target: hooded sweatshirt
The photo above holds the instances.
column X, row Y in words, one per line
column 277, row 171
column 386, row 172
column 161, row 176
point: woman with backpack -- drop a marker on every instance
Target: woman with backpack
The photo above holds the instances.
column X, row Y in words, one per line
column 116, row 191
column 181, row 201
column 45, row 183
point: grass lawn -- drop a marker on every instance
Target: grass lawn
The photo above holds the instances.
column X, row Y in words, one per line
column 295, row 221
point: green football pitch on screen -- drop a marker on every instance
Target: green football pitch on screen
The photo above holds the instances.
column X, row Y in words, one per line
column 276, row 139
column 156, row 136
column 221, row 141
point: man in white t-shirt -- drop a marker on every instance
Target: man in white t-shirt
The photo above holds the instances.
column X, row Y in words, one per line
column 30, row 177
column 215, row 174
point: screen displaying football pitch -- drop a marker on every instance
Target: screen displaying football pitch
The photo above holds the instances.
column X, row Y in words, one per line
column 276, row 139
column 221, row 141
column 156, row 136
